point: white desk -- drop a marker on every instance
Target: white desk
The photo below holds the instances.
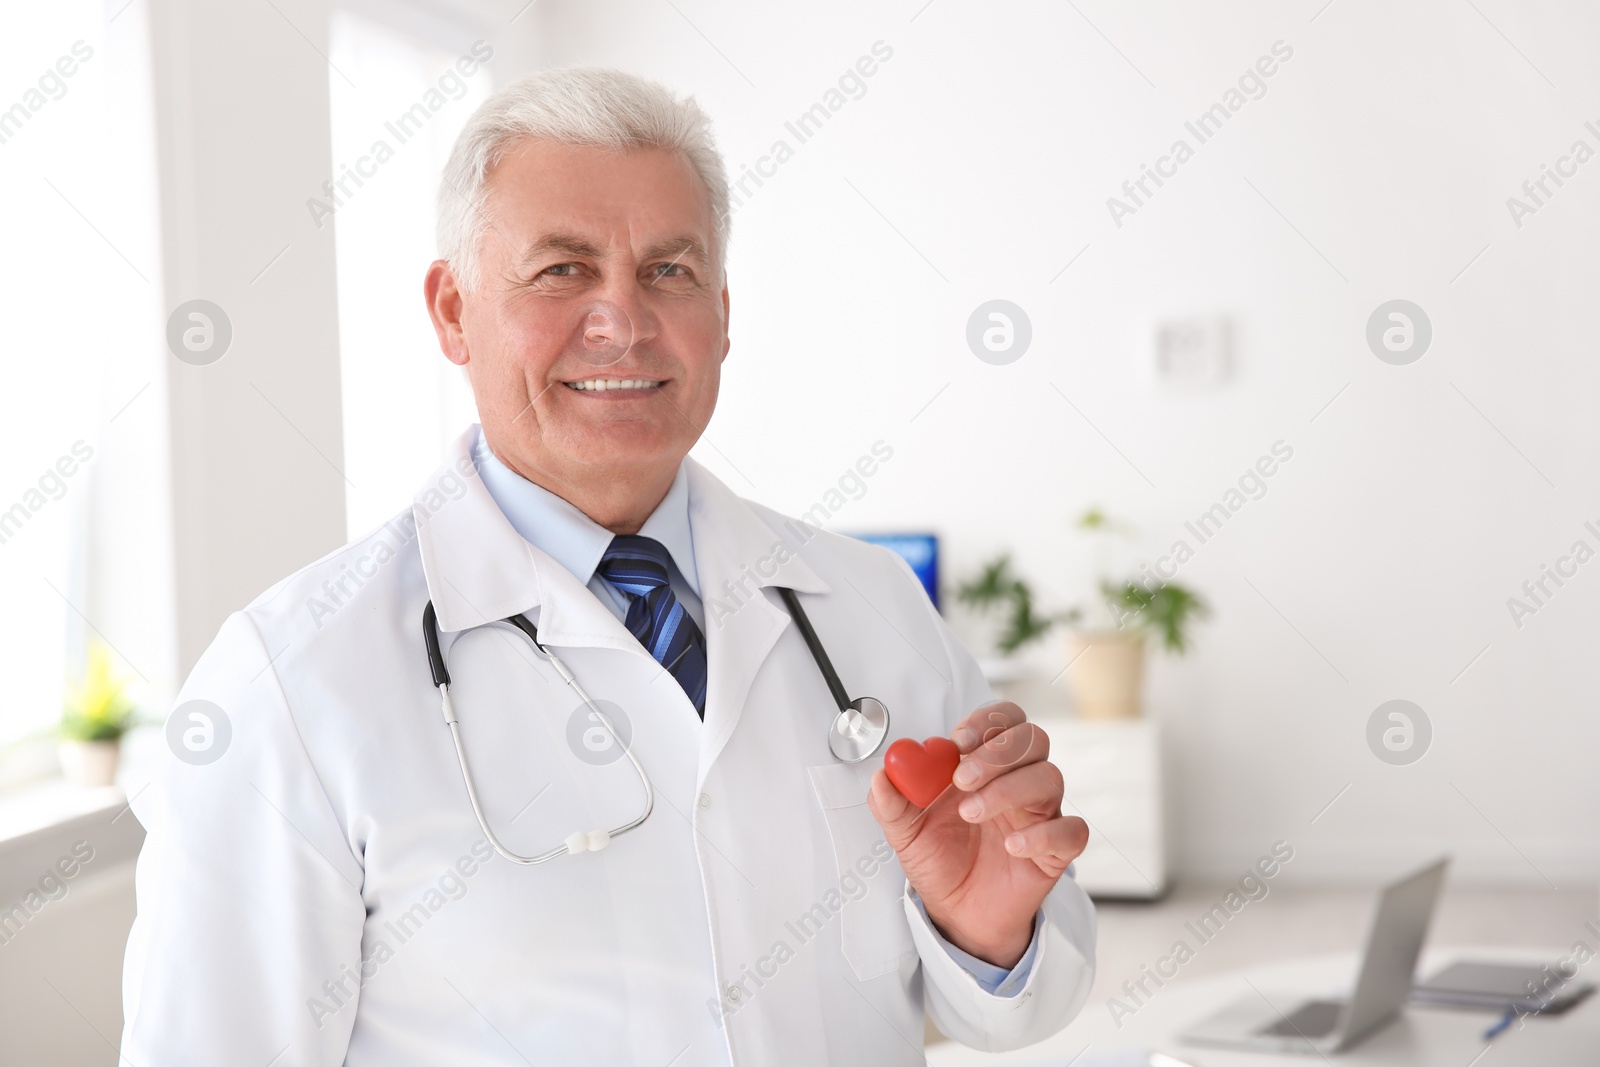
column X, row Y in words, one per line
column 1419, row 1038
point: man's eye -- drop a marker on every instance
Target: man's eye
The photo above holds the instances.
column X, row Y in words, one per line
column 559, row 268
column 666, row 270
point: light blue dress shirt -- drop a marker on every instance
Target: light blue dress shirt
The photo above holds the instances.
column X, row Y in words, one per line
column 577, row 542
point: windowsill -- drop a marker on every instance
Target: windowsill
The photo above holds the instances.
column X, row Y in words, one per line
column 48, row 821
column 49, row 801
column 53, row 802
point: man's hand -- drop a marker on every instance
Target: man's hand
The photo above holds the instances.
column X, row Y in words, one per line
column 985, row 853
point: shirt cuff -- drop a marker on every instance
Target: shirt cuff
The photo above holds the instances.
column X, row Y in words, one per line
column 996, row 981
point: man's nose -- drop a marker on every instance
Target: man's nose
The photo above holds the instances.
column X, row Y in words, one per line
column 603, row 334
column 606, row 326
column 622, row 314
column 612, row 325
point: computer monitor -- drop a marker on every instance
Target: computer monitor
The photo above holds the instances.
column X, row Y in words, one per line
column 920, row 550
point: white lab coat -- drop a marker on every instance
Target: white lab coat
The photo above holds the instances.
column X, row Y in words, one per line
column 322, row 893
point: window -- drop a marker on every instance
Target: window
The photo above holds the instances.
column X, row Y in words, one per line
column 392, row 132
column 83, row 404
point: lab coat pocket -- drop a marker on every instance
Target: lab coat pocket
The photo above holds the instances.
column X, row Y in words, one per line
column 874, row 935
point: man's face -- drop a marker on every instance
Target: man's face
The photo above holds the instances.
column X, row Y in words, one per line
column 572, row 230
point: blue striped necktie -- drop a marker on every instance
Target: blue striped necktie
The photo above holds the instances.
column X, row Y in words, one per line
column 638, row 568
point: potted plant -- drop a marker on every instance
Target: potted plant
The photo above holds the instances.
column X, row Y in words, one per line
column 96, row 713
column 1106, row 647
column 1108, row 676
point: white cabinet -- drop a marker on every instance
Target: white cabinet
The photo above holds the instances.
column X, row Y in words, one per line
column 1114, row 780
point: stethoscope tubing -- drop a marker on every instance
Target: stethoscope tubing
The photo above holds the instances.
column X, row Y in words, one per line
column 802, row 621
column 594, row 840
column 441, row 679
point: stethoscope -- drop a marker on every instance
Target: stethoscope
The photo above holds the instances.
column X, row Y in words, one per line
column 855, row 733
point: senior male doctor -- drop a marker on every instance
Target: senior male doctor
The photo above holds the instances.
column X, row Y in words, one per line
column 316, row 888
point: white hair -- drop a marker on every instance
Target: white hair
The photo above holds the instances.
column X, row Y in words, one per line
column 575, row 106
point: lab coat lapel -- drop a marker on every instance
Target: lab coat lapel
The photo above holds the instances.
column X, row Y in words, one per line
column 733, row 548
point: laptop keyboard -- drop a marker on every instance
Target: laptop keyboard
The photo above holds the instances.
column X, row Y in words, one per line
column 1315, row 1018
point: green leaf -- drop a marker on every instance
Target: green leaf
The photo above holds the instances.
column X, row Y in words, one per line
column 997, row 588
column 992, row 586
column 1168, row 610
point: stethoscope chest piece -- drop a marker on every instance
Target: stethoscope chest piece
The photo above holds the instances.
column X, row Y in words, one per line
column 858, row 730
column 862, row 724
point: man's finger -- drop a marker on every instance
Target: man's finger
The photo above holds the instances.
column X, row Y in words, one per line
column 985, row 723
column 1035, row 788
column 1052, row 844
column 1018, row 746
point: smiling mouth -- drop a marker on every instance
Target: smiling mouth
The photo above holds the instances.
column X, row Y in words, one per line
column 608, row 385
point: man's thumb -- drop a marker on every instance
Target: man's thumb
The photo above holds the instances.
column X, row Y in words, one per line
column 896, row 814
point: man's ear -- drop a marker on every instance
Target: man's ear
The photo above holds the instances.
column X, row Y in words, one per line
column 727, row 341
column 444, row 301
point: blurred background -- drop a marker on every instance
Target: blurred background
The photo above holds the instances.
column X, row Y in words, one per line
column 1303, row 288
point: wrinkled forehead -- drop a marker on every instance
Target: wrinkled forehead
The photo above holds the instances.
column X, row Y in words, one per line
column 595, row 201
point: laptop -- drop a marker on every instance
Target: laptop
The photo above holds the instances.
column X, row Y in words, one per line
column 1287, row 1023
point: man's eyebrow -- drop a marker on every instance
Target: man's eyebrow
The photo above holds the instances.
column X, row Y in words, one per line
column 673, row 248
column 676, row 248
column 560, row 242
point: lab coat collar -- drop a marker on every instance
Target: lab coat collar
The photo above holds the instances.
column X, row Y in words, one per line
column 741, row 547
column 573, row 539
column 479, row 569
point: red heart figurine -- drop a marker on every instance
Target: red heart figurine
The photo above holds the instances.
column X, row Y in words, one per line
column 921, row 771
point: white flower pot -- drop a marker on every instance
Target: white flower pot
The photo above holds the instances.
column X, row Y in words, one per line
column 89, row 763
column 1106, row 673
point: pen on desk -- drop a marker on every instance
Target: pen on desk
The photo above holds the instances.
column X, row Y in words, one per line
column 1500, row 1026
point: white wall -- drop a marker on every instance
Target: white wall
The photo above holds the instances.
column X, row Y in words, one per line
column 241, row 101
column 1376, row 166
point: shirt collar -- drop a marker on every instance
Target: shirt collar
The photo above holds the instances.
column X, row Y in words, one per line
column 568, row 536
